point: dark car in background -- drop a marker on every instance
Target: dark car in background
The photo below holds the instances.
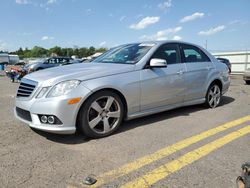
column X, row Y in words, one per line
column 246, row 76
column 225, row 61
column 49, row 63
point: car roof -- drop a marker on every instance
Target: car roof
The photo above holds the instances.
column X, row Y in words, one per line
column 161, row 42
column 60, row 57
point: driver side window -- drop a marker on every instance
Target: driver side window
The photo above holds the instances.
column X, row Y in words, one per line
column 169, row 52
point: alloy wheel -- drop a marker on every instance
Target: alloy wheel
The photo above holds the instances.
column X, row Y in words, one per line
column 104, row 114
column 214, row 96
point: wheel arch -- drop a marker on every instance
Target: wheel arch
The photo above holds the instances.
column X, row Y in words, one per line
column 122, row 97
column 216, row 81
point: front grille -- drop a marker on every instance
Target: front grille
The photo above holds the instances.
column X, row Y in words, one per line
column 24, row 114
column 26, row 88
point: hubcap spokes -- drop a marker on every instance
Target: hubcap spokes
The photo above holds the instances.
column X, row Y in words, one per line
column 104, row 114
column 214, row 96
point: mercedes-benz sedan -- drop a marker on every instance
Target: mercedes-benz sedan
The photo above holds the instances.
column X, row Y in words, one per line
column 127, row 82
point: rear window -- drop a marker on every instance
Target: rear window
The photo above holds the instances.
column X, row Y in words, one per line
column 194, row 54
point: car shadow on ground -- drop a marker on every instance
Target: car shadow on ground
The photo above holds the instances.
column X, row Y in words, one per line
column 72, row 139
column 182, row 111
column 79, row 138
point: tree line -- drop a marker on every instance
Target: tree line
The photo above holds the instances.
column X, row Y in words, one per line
column 38, row 51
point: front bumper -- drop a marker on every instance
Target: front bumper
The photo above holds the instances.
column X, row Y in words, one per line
column 56, row 106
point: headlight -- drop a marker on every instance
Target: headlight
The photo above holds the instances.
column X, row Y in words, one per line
column 63, row 88
column 42, row 92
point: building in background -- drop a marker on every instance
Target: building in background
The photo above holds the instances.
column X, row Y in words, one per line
column 240, row 60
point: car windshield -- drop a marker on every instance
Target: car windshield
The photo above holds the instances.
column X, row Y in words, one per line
column 125, row 54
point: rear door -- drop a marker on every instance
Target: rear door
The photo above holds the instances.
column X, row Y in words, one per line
column 198, row 68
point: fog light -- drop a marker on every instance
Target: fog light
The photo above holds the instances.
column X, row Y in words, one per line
column 44, row 119
column 51, row 119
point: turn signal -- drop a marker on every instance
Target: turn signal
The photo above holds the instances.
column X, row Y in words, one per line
column 74, row 100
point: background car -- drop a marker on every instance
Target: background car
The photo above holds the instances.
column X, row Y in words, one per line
column 225, row 61
column 49, row 63
column 246, row 76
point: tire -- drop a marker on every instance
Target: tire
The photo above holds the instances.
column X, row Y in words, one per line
column 213, row 96
column 247, row 82
column 100, row 115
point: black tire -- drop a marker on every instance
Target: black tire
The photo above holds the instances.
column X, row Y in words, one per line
column 210, row 101
column 86, row 111
column 247, row 82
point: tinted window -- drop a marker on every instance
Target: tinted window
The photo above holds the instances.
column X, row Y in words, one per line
column 193, row 54
column 63, row 60
column 169, row 52
column 52, row 61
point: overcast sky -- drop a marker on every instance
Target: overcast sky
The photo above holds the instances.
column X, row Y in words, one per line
column 225, row 24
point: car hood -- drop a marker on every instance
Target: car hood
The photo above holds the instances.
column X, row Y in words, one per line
column 31, row 65
column 83, row 71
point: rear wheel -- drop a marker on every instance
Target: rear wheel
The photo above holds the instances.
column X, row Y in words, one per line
column 101, row 114
column 213, row 96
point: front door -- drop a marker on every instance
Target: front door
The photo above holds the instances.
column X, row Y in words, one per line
column 163, row 86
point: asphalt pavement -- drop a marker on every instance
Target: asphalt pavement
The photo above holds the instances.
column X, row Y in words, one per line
column 186, row 147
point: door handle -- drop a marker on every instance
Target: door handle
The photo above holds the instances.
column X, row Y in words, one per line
column 180, row 72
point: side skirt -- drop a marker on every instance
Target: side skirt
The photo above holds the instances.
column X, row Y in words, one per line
column 164, row 108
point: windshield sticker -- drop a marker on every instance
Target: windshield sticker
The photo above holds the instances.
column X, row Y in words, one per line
column 147, row 44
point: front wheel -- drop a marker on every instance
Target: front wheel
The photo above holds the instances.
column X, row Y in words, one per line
column 101, row 114
column 213, row 96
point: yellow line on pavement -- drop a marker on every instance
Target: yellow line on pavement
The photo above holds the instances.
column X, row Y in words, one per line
column 130, row 167
column 165, row 170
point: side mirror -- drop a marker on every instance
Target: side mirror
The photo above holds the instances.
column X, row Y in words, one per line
column 158, row 63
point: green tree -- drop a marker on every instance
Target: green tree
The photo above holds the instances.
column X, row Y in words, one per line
column 91, row 51
column 55, row 50
column 20, row 52
column 38, row 52
column 101, row 50
column 83, row 52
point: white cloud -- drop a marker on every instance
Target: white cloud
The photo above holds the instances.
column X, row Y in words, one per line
column 212, row 30
column 162, row 34
column 192, row 17
column 146, row 6
column 22, row 2
column 122, row 18
column 51, row 1
column 139, row 16
column 25, row 34
column 47, row 38
column 238, row 22
column 165, row 5
column 176, row 37
column 88, row 11
column 145, row 22
column 102, row 43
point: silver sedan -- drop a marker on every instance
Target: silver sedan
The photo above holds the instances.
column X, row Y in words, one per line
column 127, row 82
